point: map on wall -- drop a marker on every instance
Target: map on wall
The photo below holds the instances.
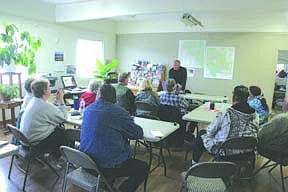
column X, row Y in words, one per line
column 219, row 62
column 192, row 53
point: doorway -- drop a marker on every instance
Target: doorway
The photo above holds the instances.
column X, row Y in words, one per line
column 280, row 80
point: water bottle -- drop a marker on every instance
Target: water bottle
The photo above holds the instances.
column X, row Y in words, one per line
column 76, row 102
column 212, row 105
column 82, row 106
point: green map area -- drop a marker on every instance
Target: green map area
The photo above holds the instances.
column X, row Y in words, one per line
column 219, row 62
column 192, row 53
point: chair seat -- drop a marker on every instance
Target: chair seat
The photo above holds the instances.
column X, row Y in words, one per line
column 83, row 179
column 204, row 184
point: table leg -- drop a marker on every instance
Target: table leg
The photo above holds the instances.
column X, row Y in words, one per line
column 150, row 158
column 13, row 116
column 162, row 159
column 4, row 118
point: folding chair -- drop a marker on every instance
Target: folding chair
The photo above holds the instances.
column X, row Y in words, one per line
column 80, row 176
column 27, row 151
column 239, row 150
column 209, row 176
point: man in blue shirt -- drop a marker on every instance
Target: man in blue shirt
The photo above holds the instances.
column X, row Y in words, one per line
column 105, row 134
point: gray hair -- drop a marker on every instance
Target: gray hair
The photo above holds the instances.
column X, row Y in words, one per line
column 39, row 86
column 122, row 77
column 171, row 85
column 27, row 84
column 94, row 85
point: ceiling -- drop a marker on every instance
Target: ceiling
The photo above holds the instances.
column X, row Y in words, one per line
column 131, row 16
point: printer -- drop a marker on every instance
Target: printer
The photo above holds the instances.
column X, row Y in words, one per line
column 53, row 82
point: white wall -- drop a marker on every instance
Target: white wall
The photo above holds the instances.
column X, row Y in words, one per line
column 58, row 37
column 255, row 57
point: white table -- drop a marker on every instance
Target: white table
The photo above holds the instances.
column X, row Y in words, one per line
column 7, row 150
column 203, row 114
column 150, row 128
column 217, row 99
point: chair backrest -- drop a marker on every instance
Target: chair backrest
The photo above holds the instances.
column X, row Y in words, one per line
column 144, row 106
column 237, row 145
column 213, row 170
column 79, row 158
column 72, row 136
column 20, row 137
column 169, row 113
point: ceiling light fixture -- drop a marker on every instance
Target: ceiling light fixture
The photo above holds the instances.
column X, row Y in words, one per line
column 190, row 21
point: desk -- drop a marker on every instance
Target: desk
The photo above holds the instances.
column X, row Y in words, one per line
column 217, row 99
column 203, row 114
column 7, row 150
column 70, row 94
column 148, row 125
column 10, row 105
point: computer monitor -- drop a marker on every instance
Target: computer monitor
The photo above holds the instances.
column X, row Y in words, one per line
column 68, row 81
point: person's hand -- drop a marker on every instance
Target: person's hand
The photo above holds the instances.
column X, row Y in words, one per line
column 60, row 95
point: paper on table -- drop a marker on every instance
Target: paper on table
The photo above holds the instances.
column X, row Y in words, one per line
column 3, row 143
column 156, row 133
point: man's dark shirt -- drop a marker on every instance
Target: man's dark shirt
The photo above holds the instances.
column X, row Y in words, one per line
column 180, row 76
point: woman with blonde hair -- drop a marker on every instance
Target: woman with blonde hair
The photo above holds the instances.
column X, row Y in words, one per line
column 147, row 98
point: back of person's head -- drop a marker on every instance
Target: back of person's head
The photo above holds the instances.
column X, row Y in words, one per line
column 241, row 94
column 27, row 84
column 39, row 87
column 108, row 93
column 171, row 85
column 257, row 93
column 123, row 77
column 94, row 85
column 145, row 85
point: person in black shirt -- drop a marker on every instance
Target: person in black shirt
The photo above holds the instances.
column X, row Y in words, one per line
column 179, row 74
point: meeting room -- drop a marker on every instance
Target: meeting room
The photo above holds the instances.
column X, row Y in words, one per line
column 130, row 96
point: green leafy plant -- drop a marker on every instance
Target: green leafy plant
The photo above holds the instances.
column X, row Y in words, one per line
column 18, row 47
column 102, row 70
column 8, row 92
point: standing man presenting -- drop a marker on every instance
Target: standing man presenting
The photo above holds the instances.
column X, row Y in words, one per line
column 179, row 74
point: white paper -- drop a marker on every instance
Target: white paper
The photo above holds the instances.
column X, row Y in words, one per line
column 157, row 134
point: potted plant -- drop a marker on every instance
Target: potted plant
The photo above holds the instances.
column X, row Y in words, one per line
column 102, row 70
column 18, row 48
column 8, row 92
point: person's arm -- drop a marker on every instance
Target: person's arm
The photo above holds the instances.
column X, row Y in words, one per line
column 127, row 126
column 215, row 125
column 184, row 78
column 184, row 104
column 171, row 74
column 131, row 99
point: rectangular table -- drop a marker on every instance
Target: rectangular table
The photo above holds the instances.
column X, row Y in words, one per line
column 203, row 114
column 216, row 99
column 149, row 127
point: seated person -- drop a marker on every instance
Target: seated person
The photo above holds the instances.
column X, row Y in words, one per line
column 272, row 138
column 40, row 120
column 27, row 98
column 90, row 96
column 29, row 95
column 162, row 80
column 257, row 101
column 146, row 95
column 105, row 134
column 238, row 120
column 172, row 99
column 125, row 97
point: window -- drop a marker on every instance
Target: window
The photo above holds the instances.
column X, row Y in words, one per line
column 87, row 53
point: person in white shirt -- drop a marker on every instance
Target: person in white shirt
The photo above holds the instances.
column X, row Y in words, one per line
column 41, row 119
column 29, row 95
